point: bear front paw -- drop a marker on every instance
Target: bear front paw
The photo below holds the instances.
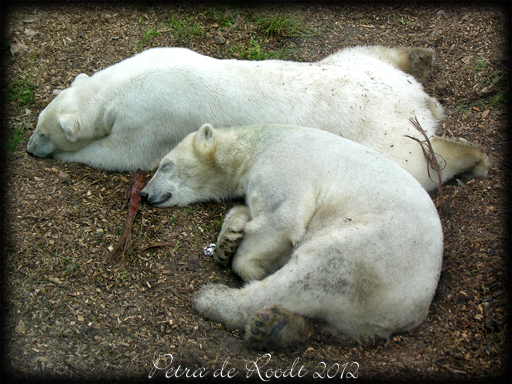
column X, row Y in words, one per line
column 227, row 245
column 231, row 234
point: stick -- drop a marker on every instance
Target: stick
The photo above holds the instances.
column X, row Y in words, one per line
column 429, row 154
column 158, row 245
column 132, row 197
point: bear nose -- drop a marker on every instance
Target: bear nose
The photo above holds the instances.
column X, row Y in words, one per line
column 143, row 195
column 157, row 200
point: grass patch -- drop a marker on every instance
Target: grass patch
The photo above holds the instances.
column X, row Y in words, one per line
column 16, row 136
column 255, row 51
column 500, row 99
column 184, row 28
column 146, row 37
column 280, row 25
column 222, row 16
column 21, row 91
column 181, row 28
column 491, row 85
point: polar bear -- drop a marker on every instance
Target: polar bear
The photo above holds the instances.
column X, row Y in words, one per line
column 332, row 232
column 130, row 115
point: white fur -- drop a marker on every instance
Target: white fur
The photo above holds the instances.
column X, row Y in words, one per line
column 129, row 115
column 337, row 232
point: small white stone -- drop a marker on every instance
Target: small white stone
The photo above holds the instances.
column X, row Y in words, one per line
column 208, row 250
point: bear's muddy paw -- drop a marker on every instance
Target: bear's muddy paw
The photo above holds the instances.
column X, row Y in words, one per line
column 231, row 234
column 275, row 328
column 227, row 245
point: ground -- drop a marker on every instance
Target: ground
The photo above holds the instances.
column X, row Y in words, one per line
column 68, row 313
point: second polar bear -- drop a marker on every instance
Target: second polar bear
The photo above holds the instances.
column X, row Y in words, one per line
column 331, row 232
column 129, row 115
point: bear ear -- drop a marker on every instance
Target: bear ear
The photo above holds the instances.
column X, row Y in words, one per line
column 204, row 136
column 81, row 77
column 71, row 126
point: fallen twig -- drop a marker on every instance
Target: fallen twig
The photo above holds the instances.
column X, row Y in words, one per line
column 158, row 245
column 133, row 197
column 429, row 154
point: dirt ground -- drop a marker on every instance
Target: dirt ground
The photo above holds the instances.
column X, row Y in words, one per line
column 68, row 314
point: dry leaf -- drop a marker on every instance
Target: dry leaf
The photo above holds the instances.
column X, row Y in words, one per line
column 21, row 328
column 55, row 280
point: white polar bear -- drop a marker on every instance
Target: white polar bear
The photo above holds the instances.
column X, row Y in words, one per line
column 332, row 232
column 129, row 115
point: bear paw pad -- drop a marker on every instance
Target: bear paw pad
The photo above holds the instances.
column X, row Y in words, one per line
column 228, row 244
column 275, row 328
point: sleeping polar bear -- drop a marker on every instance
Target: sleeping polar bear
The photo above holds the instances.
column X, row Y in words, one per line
column 128, row 116
column 332, row 232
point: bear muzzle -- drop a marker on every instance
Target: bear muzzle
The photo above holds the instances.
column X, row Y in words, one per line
column 155, row 199
column 39, row 146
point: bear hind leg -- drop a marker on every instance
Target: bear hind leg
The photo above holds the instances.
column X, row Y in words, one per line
column 275, row 327
column 467, row 160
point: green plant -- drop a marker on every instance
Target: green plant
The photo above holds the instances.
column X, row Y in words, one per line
column 184, row 27
column 147, row 35
column 500, row 99
column 465, row 107
column 216, row 278
column 217, row 224
column 255, row 51
column 222, row 16
column 16, row 136
column 491, row 84
column 174, row 219
column 281, row 25
column 23, row 285
column 177, row 245
column 21, row 91
column 400, row 20
column 68, row 264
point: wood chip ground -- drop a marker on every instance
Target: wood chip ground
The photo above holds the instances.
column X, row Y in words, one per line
column 67, row 314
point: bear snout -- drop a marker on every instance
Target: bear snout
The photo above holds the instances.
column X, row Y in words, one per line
column 39, row 146
column 156, row 199
column 38, row 155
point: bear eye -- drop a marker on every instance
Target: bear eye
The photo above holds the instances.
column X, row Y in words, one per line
column 167, row 167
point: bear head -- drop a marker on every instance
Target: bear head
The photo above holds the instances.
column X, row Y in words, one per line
column 187, row 174
column 60, row 126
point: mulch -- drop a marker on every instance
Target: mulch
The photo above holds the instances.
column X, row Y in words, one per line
column 69, row 314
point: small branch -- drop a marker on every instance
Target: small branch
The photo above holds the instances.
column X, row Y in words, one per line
column 133, row 197
column 429, row 154
column 158, row 245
